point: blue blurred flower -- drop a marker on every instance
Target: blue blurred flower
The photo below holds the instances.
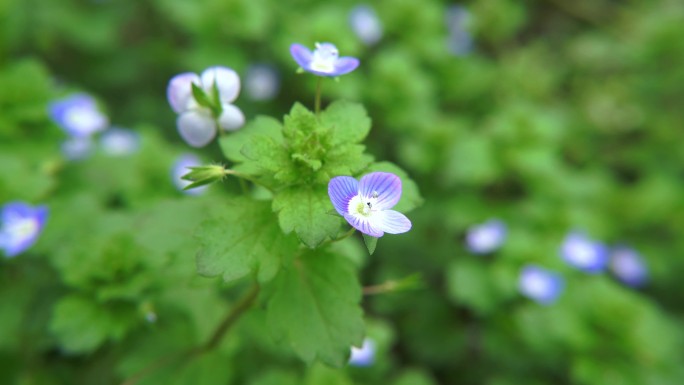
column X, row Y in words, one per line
column 628, row 266
column 583, row 253
column 365, row 24
column 180, row 168
column 366, row 204
column 459, row 40
column 118, row 141
column 363, row 356
column 20, row 225
column 262, row 82
column 78, row 115
column 541, row 285
column 486, row 237
column 196, row 123
column 324, row 60
column 77, row 148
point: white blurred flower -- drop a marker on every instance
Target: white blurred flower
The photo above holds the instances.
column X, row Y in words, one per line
column 262, row 82
column 118, row 141
column 363, row 356
column 486, row 237
column 366, row 24
column 78, row 115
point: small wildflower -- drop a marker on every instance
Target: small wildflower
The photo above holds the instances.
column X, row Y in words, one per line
column 262, row 82
column 583, row 253
column 78, row 115
column 363, row 356
column 460, row 40
column 77, row 148
column 486, row 237
column 324, row 60
column 182, row 167
column 541, row 285
column 20, row 225
column 628, row 266
column 119, row 141
column 366, row 24
column 366, row 204
column 199, row 120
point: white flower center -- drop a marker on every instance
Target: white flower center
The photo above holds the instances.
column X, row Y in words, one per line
column 362, row 206
column 582, row 252
column 20, row 228
column 84, row 120
column 324, row 58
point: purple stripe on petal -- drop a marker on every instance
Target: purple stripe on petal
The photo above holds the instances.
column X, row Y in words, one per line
column 301, row 54
column 363, row 225
column 345, row 65
column 387, row 186
column 391, row 222
column 341, row 190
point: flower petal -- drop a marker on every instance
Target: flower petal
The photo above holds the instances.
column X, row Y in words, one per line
column 227, row 81
column 341, row 190
column 231, row 118
column 391, row 222
column 179, row 91
column 345, row 65
column 301, row 55
column 385, row 185
column 364, row 225
column 196, row 127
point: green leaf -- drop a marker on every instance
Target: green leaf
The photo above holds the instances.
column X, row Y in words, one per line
column 349, row 122
column 232, row 144
column 410, row 195
column 299, row 124
column 82, row 325
column 315, row 307
column 371, row 243
column 305, row 210
column 245, row 239
column 270, row 157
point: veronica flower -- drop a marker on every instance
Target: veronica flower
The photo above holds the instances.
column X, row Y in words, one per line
column 20, row 225
column 540, row 285
column 198, row 123
column 262, row 82
column 628, row 266
column 78, row 115
column 77, row 148
column 363, row 356
column 324, row 60
column 366, row 204
column 119, row 141
column 583, row 253
column 460, row 40
column 486, row 237
column 365, row 24
column 180, row 168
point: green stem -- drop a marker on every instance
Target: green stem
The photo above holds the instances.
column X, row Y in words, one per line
column 318, row 95
column 248, row 178
column 184, row 357
column 381, row 288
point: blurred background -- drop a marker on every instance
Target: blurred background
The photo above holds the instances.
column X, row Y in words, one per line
column 545, row 137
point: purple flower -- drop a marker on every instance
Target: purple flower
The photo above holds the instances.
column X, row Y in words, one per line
column 363, row 356
column 486, row 237
column 196, row 122
column 459, row 41
column 539, row 284
column 583, row 253
column 628, row 266
column 262, row 82
column 180, row 168
column 324, row 60
column 365, row 24
column 78, row 115
column 366, row 204
column 118, row 141
column 20, row 225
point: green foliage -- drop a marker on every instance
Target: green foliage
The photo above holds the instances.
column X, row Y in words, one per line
column 315, row 307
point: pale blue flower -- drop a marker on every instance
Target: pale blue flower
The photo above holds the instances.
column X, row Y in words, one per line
column 118, row 141
column 180, row 168
column 486, row 237
column 459, row 40
column 539, row 284
column 366, row 24
column 196, row 123
column 78, row 115
column 366, row 204
column 20, row 225
column 628, row 266
column 363, row 356
column 262, row 82
column 580, row 251
column 77, row 148
column 324, row 60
